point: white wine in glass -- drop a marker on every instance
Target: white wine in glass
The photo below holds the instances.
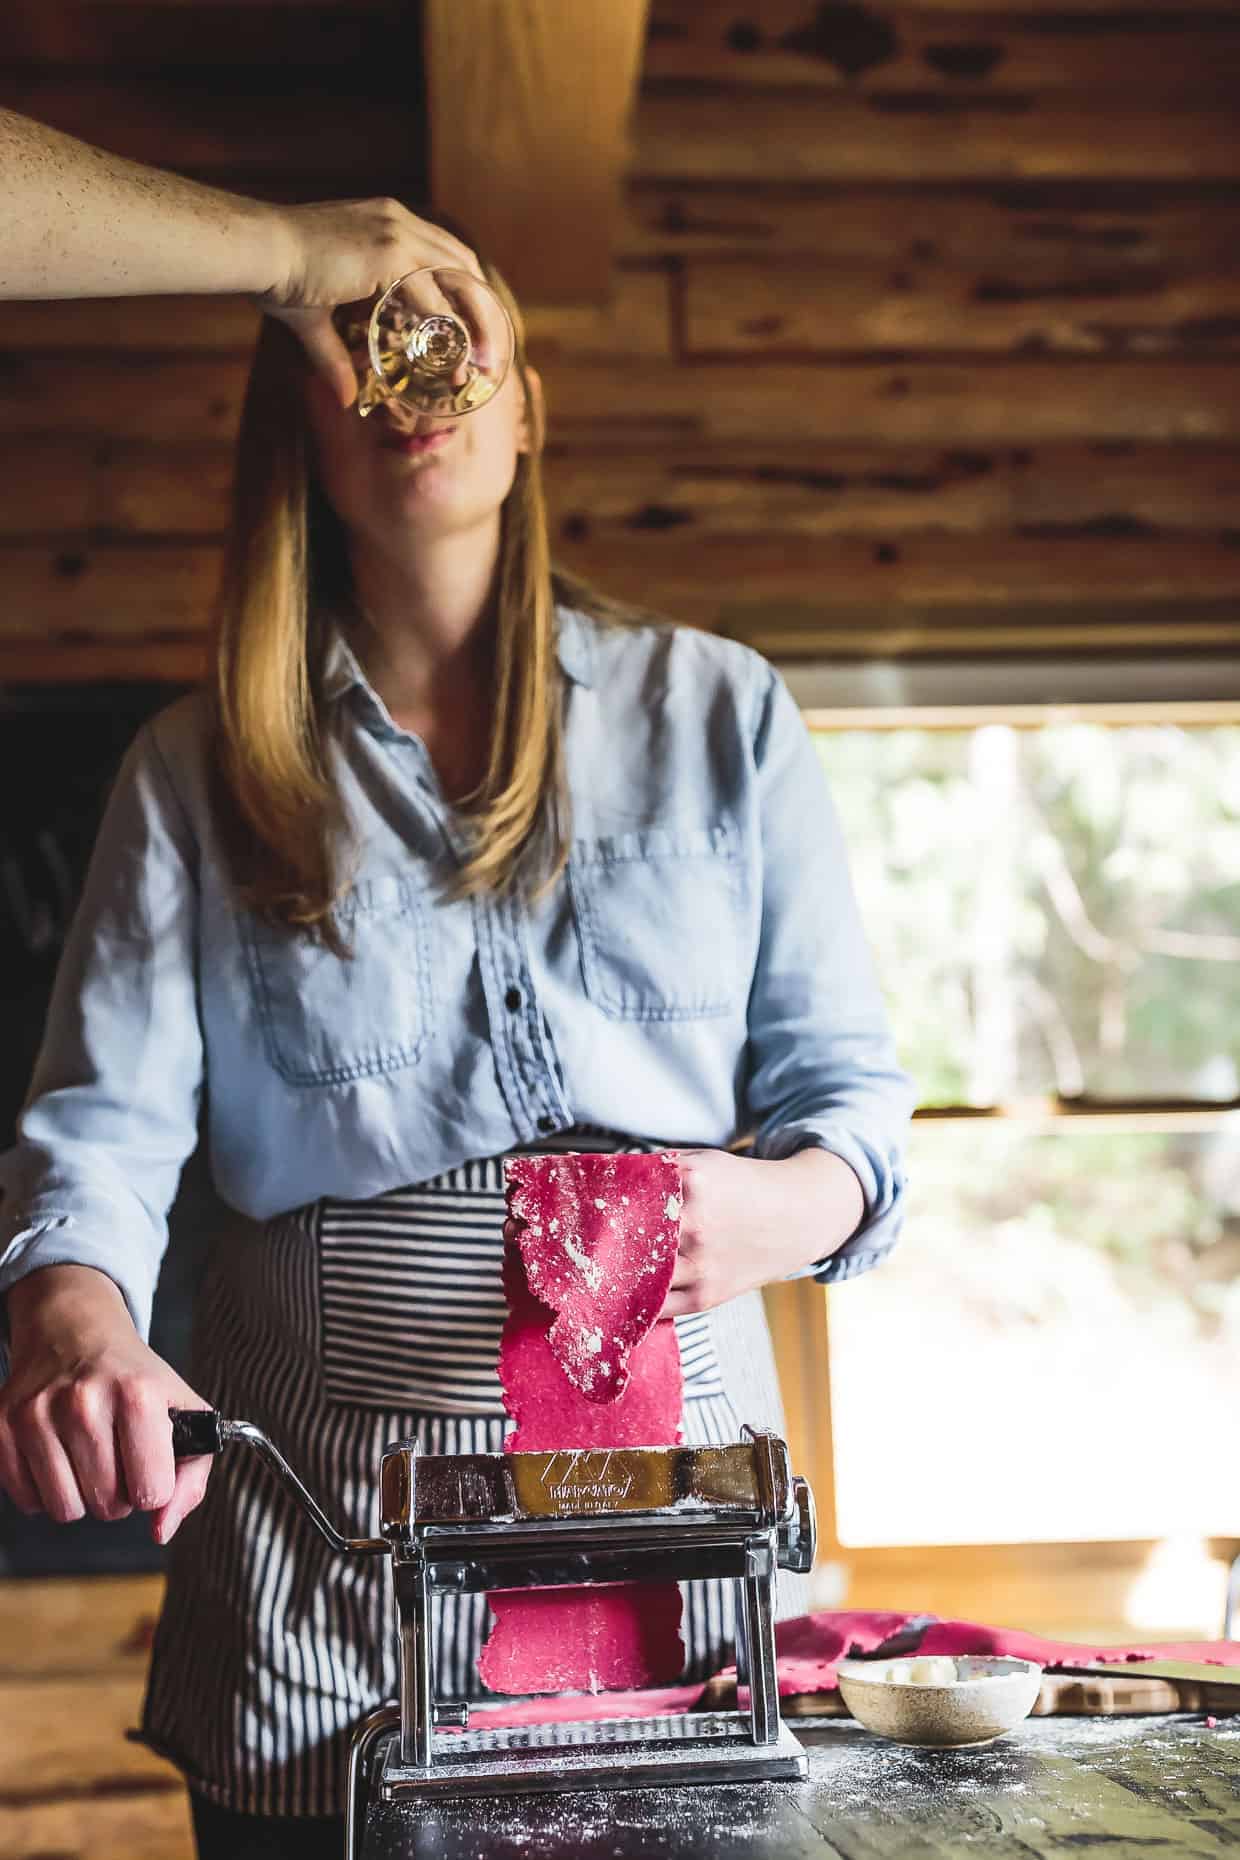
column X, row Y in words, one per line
column 437, row 342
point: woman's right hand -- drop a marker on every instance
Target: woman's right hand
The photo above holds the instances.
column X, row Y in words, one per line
column 84, row 1414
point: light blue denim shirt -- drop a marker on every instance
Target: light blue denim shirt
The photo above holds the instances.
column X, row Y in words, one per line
column 698, row 975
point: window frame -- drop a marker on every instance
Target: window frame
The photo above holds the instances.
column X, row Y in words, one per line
column 1073, row 1590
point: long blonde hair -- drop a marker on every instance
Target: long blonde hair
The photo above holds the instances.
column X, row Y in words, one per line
column 285, row 574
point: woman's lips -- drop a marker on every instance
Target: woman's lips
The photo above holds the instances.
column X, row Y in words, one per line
column 414, row 445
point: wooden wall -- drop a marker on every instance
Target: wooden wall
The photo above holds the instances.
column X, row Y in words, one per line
column 923, row 335
column 954, row 295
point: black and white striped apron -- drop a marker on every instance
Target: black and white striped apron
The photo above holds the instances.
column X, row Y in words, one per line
column 338, row 1328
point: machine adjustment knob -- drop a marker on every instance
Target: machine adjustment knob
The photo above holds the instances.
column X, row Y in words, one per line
column 798, row 1539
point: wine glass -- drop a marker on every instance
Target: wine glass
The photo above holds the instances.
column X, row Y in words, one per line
column 437, row 342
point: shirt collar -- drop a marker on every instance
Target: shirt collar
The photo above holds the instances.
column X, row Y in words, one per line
column 342, row 670
column 575, row 645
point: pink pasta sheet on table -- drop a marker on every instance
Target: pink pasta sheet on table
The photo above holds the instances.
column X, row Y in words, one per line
column 965, row 1637
column 809, row 1649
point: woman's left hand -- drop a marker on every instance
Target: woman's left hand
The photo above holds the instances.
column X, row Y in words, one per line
column 747, row 1220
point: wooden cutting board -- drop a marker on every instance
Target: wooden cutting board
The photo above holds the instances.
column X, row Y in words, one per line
column 1062, row 1695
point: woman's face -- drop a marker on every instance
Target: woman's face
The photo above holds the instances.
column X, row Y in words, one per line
column 399, row 469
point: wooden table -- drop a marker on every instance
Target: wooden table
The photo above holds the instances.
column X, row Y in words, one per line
column 1145, row 1788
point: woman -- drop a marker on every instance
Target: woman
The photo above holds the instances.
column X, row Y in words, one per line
column 453, row 862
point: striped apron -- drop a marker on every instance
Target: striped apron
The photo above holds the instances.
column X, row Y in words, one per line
column 338, row 1328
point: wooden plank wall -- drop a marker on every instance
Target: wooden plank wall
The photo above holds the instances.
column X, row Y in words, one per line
column 923, row 335
column 954, row 291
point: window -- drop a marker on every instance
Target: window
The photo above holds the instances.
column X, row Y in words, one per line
column 1055, row 910
column 1053, row 1352
column 1051, row 1358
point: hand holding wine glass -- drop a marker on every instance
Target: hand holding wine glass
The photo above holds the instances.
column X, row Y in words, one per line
column 344, row 252
column 82, row 222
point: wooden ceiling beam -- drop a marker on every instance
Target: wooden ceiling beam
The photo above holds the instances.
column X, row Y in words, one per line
column 529, row 104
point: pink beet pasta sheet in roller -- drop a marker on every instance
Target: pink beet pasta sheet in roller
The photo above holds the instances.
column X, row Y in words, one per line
column 598, row 1237
column 615, row 1636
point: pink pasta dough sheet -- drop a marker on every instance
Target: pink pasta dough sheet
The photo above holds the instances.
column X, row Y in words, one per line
column 969, row 1637
column 808, row 1652
column 593, row 1640
column 598, row 1236
column 550, row 1412
column 810, row 1648
column 618, row 1635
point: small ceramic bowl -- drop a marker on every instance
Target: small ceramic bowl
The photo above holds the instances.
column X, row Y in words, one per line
column 989, row 1697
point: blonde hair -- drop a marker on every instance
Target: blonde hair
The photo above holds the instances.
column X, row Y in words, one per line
column 285, row 576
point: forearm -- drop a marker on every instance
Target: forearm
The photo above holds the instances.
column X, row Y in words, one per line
column 75, row 1299
column 823, row 1205
column 76, row 221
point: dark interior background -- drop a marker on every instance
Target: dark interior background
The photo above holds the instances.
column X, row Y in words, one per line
column 59, row 749
column 116, row 490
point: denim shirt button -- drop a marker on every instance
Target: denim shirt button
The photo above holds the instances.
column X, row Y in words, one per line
column 512, row 1000
column 546, row 1124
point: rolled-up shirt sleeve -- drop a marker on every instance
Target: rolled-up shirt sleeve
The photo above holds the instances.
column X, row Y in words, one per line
column 111, row 1114
column 822, row 1065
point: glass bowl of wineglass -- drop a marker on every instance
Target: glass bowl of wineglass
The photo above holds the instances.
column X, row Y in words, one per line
column 437, row 342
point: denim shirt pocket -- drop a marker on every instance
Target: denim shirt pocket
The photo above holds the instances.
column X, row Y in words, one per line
column 327, row 1020
column 660, row 915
